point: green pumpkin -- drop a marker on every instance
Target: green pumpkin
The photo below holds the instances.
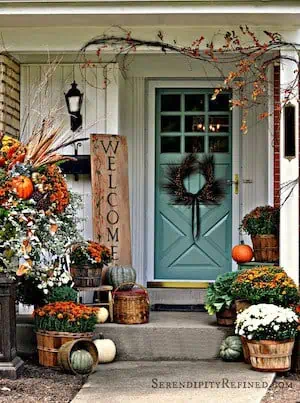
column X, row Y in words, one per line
column 118, row 275
column 231, row 349
column 82, row 362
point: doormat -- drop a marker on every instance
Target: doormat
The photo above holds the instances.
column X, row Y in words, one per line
column 177, row 308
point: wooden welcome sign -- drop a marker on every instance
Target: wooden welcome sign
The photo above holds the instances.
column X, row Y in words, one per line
column 111, row 217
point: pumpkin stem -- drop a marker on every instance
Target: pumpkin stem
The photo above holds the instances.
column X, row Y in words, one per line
column 242, row 242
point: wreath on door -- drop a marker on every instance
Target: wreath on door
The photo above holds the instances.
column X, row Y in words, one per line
column 211, row 193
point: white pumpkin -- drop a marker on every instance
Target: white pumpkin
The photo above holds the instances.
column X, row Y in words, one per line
column 102, row 315
column 106, row 350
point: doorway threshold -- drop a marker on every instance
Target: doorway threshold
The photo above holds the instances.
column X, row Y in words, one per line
column 178, row 284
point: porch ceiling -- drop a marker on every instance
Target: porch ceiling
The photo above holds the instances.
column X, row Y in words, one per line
column 37, row 13
column 290, row 20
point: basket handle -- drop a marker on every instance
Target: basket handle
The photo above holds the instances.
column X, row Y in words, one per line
column 131, row 283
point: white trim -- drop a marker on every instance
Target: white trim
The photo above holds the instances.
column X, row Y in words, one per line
column 152, row 85
column 271, row 138
column 289, row 170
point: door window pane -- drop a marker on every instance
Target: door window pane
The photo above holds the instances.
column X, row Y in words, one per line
column 218, row 124
column 194, row 144
column 170, row 103
column 170, row 144
column 218, row 144
column 194, row 124
column 194, row 102
column 221, row 103
column 170, row 124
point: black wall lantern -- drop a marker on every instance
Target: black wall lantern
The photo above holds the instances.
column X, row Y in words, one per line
column 74, row 101
column 289, row 131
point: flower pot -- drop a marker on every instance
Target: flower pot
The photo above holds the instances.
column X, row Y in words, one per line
column 241, row 305
column 246, row 351
column 226, row 317
column 271, row 355
column 49, row 343
column 265, row 248
column 85, row 276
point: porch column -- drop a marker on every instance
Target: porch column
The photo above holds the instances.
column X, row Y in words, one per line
column 9, row 96
column 289, row 171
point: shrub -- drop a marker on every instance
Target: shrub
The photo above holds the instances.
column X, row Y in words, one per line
column 66, row 317
column 267, row 322
column 263, row 220
column 269, row 285
column 64, row 293
column 219, row 295
column 89, row 253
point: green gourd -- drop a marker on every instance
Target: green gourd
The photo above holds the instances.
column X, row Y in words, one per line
column 118, row 275
column 231, row 349
column 81, row 362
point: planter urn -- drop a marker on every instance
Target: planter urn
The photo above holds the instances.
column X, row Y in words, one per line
column 11, row 366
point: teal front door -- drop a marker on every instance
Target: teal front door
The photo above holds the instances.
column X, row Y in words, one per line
column 188, row 120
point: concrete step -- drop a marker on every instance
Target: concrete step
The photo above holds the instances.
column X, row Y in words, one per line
column 168, row 336
column 176, row 296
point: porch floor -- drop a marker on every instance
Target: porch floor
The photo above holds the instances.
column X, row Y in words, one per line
column 175, row 382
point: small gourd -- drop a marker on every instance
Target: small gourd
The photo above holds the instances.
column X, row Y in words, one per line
column 106, row 350
column 81, row 362
column 102, row 315
column 231, row 349
column 118, row 275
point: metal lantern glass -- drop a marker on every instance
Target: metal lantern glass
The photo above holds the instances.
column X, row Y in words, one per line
column 74, row 102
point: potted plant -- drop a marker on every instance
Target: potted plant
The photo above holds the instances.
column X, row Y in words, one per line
column 60, row 322
column 262, row 224
column 270, row 332
column 87, row 260
column 220, row 301
column 264, row 285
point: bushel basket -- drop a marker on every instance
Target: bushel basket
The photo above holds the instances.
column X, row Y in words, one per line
column 86, row 275
column 265, row 248
column 131, row 307
column 49, row 343
column 271, row 355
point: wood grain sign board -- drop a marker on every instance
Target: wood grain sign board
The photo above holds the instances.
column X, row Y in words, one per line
column 111, row 216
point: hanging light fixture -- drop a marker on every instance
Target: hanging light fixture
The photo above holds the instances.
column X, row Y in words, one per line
column 74, row 101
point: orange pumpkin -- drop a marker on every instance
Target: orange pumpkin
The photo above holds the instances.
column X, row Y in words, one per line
column 242, row 253
column 23, row 186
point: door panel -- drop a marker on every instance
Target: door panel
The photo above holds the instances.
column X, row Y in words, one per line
column 187, row 120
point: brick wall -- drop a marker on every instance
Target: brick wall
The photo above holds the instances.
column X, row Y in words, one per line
column 276, row 136
column 9, row 96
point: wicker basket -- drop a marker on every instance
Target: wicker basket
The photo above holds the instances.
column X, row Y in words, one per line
column 131, row 307
column 85, row 276
column 226, row 317
column 266, row 248
column 49, row 343
column 271, row 355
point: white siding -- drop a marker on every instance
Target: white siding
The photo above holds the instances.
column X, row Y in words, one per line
column 99, row 111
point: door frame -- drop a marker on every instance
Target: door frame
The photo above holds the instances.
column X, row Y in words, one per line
column 152, row 85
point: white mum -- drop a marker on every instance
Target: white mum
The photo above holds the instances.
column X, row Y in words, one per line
column 265, row 317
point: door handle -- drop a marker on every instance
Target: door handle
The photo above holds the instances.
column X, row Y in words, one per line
column 236, row 183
